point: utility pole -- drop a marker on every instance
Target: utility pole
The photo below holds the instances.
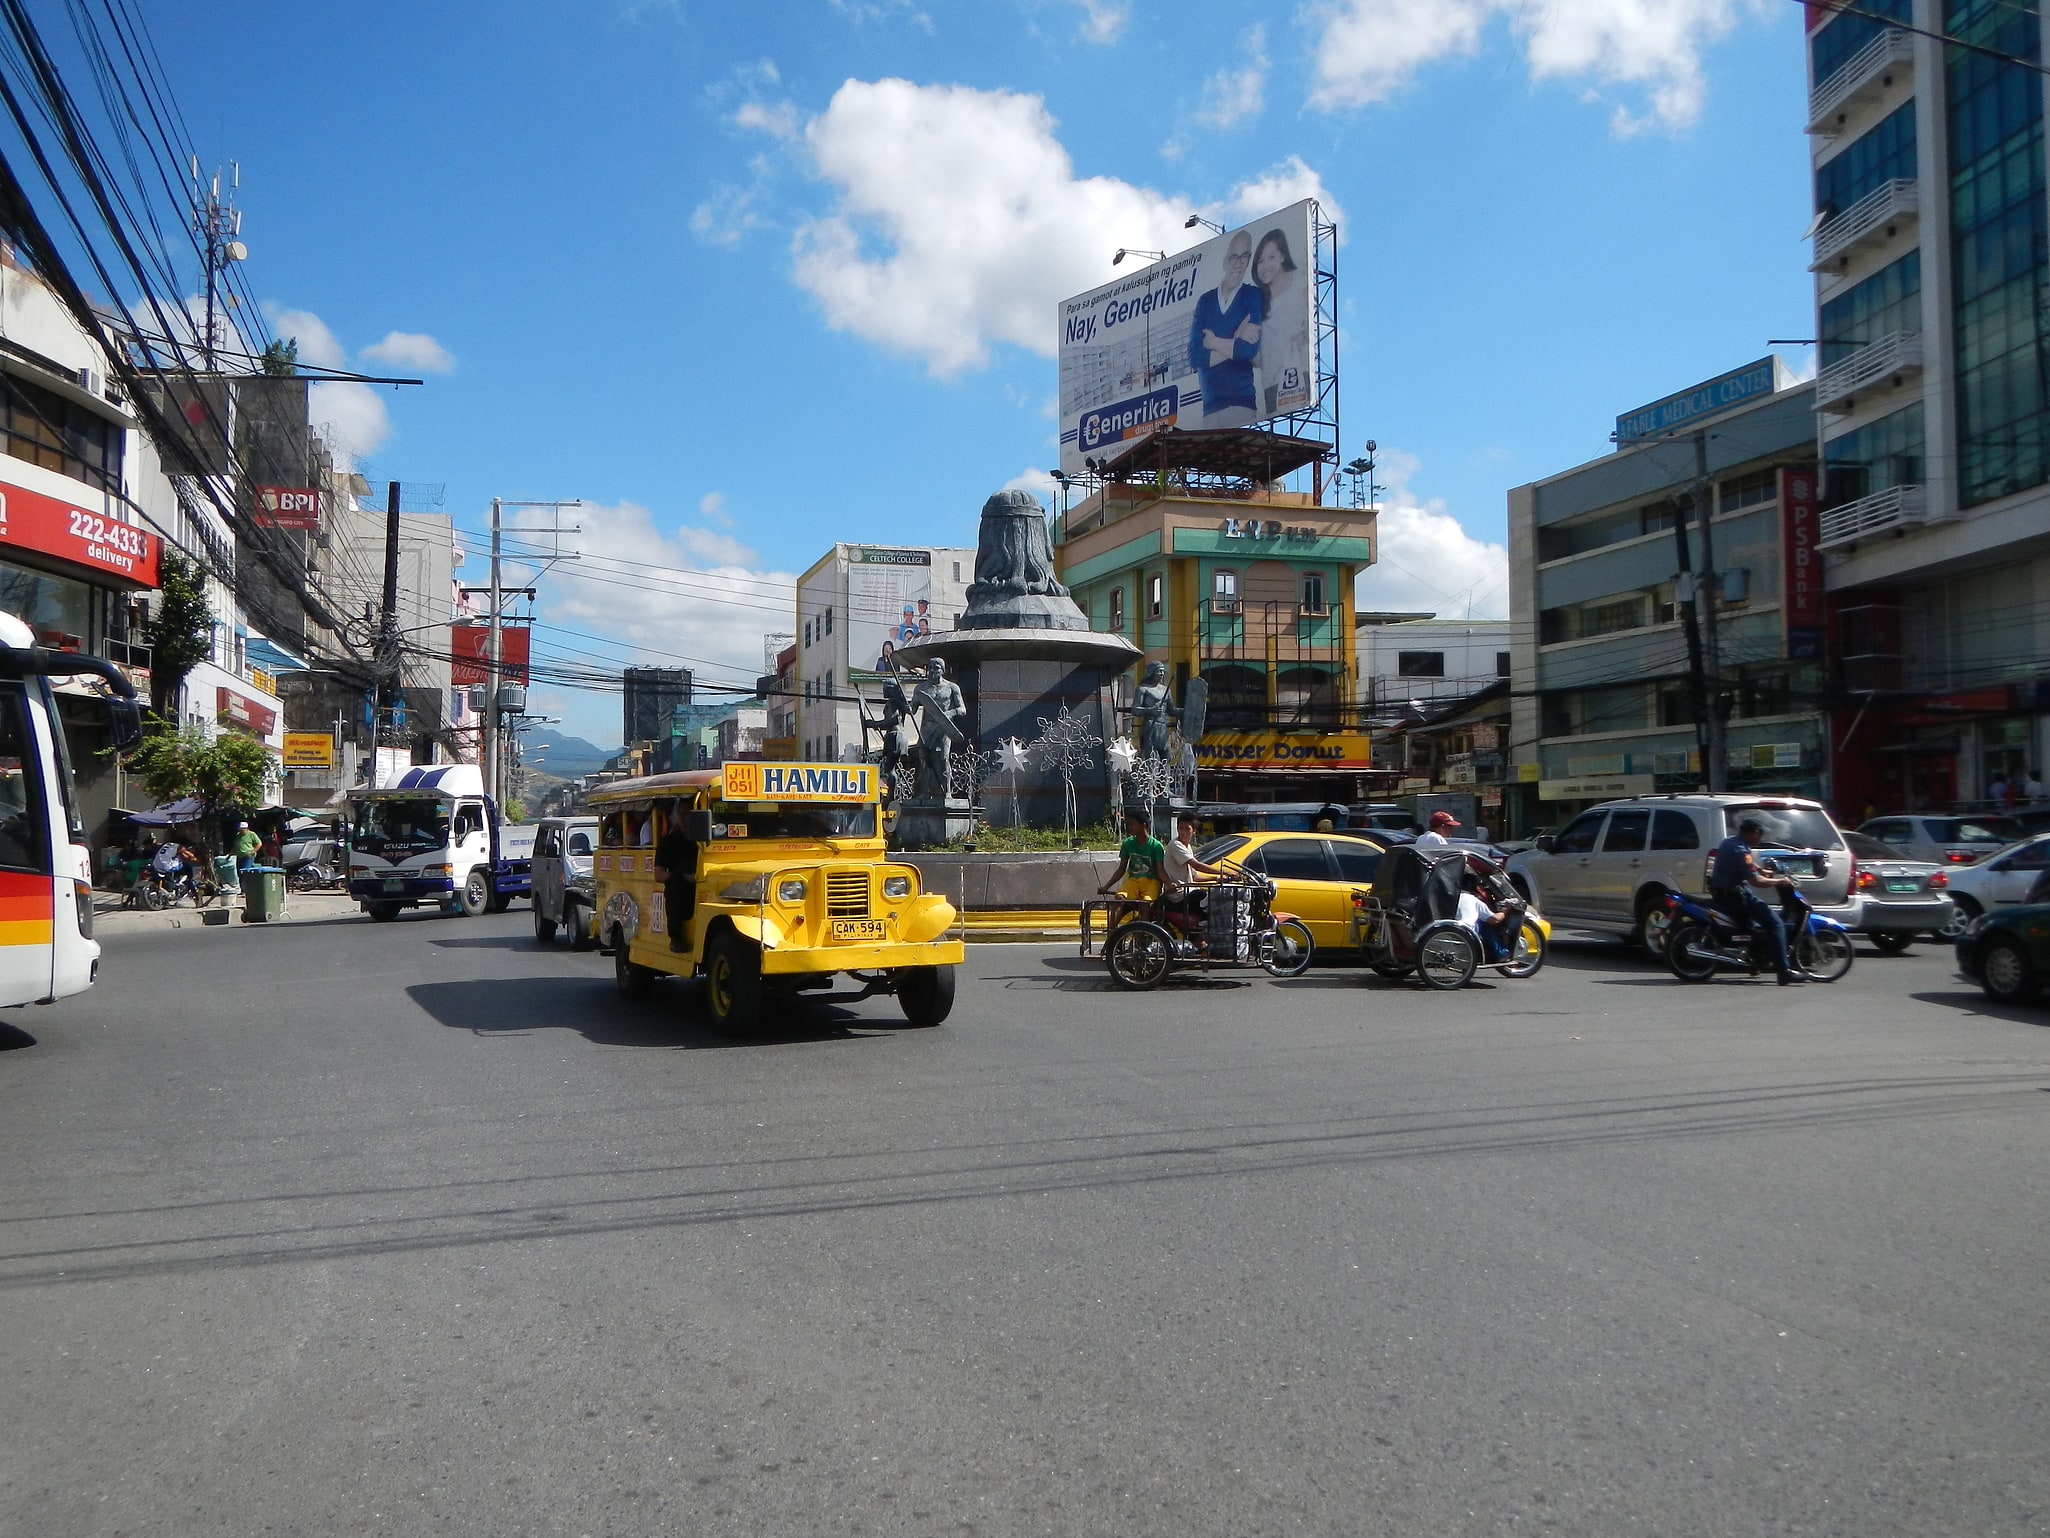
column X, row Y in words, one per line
column 1717, row 766
column 387, row 630
column 218, row 226
column 489, row 738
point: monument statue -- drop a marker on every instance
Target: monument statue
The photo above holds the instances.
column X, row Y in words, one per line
column 1014, row 587
column 942, row 717
column 896, row 711
column 1154, row 712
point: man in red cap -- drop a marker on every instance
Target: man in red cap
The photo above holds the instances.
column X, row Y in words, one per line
column 1442, row 823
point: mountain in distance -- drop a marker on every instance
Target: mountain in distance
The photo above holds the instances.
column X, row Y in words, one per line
column 560, row 756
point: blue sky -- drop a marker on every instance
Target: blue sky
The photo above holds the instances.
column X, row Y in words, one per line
column 750, row 278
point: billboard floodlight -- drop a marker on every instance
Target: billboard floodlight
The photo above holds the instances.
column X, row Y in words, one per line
column 1125, row 251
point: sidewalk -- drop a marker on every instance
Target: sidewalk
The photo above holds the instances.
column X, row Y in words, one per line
column 112, row 917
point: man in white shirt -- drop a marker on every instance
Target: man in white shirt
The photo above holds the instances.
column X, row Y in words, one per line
column 1489, row 925
column 1441, row 824
column 1179, row 867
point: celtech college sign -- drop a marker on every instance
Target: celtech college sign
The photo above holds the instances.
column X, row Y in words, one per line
column 1269, row 750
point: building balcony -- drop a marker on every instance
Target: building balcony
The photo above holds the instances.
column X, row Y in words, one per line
column 1863, row 77
column 1874, row 218
column 1884, row 365
column 1884, row 512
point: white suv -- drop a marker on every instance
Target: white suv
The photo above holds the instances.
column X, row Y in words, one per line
column 1611, row 867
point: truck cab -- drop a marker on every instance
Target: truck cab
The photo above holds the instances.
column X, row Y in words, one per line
column 432, row 839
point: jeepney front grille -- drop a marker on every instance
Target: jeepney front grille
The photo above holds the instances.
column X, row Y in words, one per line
column 847, row 894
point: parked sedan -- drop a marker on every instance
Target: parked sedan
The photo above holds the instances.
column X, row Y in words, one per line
column 1943, row 840
column 2008, row 953
column 1315, row 874
column 1895, row 899
column 2006, row 878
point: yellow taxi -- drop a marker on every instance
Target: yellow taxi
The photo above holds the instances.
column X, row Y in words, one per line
column 792, row 886
column 1315, row 875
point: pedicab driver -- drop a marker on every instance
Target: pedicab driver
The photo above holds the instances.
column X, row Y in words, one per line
column 1735, row 882
column 1180, row 868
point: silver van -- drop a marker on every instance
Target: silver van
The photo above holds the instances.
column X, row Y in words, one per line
column 565, row 890
column 1611, row 867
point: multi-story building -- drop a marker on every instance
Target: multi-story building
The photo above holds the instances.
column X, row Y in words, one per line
column 1602, row 677
column 1250, row 590
column 1932, row 287
column 1419, row 660
column 855, row 606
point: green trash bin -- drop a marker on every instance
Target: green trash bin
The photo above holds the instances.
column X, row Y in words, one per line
column 263, row 894
column 225, row 876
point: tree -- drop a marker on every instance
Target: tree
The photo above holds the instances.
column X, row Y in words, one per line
column 281, row 358
column 229, row 773
column 181, row 632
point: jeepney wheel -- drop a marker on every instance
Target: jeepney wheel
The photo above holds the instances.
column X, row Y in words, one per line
column 475, row 896
column 381, row 913
column 1139, row 954
column 544, row 927
column 1289, row 951
column 733, row 982
column 633, row 980
column 925, row 994
column 581, row 927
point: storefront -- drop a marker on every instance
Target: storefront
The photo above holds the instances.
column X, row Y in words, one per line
column 1258, row 767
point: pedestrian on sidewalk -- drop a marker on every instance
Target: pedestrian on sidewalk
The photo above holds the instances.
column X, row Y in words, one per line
column 247, row 842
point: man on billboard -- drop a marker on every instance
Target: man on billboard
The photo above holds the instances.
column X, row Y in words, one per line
column 1224, row 339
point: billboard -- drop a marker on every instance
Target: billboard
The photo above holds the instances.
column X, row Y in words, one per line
column 470, row 654
column 889, row 602
column 1221, row 335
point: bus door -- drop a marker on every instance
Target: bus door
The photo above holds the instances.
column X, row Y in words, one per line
column 28, row 877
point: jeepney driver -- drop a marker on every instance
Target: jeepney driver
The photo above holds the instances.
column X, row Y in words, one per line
column 676, row 867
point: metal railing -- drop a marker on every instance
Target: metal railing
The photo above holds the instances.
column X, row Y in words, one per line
column 1897, row 199
column 1891, row 49
column 1894, row 353
column 1897, row 507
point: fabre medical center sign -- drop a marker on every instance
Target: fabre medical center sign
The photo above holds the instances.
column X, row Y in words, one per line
column 1690, row 408
column 1220, row 335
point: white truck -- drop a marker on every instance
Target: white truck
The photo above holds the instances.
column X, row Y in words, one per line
column 435, row 839
column 47, row 949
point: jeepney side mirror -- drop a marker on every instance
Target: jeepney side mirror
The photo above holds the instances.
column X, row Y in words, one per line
column 698, row 827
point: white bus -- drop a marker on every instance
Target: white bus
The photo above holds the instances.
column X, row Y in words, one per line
column 47, row 950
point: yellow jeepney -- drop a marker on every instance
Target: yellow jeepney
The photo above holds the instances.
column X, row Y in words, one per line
column 792, row 887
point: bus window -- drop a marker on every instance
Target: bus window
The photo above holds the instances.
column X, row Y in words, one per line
column 24, row 839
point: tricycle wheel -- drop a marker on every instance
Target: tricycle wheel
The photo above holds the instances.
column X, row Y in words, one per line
column 1446, row 955
column 925, row 994
column 1288, row 952
column 1139, row 954
column 1529, row 953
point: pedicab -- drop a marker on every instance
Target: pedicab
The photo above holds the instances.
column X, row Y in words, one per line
column 1408, row 921
column 1147, row 937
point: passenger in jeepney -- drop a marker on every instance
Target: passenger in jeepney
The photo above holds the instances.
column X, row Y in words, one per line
column 676, row 867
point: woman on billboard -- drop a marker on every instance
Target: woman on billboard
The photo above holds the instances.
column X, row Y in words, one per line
column 1284, row 359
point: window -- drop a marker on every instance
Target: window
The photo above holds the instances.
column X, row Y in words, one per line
column 1891, row 832
column 2030, row 857
column 1420, row 664
column 1886, row 153
column 829, row 622
column 1155, row 599
column 1627, row 829
column 1501, row 664
column 807, row 632
column 45, row 429
column 1117, row 608
column 1676, row 705
column 1749, row 490
column 1313, row 592
column 1674, row 830
column 1888, row 301
column 548, row 841
column 1224, row 592
column 24, row 843
column 1296, row 859
column 1836, row 44
column 580, row 843
column 957, row 571
column 1357, row 860
column 1580, row 834
column 1877, row 456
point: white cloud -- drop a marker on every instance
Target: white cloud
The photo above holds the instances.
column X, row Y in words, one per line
column 1238, row 91
column 317, row 344
column 1424, row 559
column 630, row 589
column 350, row 418
column 412, row 349
column 712, row 505
column 1103, row 21
column 727, row 215
column 1039, row 482
column 961, row 222
column 777, row 118
column 1369, row 49
column 1278, row 186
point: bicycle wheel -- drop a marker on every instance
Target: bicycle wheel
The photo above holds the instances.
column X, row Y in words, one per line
column 1446, row 955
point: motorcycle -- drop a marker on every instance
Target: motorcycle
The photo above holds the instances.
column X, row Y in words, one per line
column 1146, row 940
column 314, row 864
column 156, row 890
column 1702, row 941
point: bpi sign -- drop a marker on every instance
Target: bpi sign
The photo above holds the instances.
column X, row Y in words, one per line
column 287, row 507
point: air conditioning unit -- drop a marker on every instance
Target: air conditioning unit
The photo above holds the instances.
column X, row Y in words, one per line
column 90, row 381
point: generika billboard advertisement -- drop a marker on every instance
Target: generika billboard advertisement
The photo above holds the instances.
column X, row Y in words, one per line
column 1220, row 335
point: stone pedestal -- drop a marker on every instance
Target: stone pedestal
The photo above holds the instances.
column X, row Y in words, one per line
column 926, row 825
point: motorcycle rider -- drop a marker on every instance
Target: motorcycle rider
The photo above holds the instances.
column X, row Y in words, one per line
column 174, row 860
column 1180, row 868
column 1734, row 883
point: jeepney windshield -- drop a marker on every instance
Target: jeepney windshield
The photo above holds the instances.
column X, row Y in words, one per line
column 753, row 820
column 409, row 823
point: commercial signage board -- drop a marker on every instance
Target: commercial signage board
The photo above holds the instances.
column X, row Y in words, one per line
column 99, row 546
column 240, row 711
column 309, row 750
column 889, row 604
column 1273, row 750
column 195, row 410
column 1604, row 788
column 798, row 782
column 1800, row 564
column 1690, row 408
column 470, row 654
column 286, row 507
column 1220, row 335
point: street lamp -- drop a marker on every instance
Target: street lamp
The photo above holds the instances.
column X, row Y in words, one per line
column 1362, row 472
column 1125, row 251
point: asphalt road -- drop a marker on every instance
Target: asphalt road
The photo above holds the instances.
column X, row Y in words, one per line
column 348, row 1229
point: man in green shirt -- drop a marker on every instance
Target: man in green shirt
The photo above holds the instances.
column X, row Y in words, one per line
column 247, row 842
column 1139, row 856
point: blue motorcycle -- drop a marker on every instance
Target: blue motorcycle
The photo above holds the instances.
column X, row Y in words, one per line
column 1703, row 941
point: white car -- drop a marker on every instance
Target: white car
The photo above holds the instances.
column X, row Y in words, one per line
column 2001, row 881
column 1943, row 840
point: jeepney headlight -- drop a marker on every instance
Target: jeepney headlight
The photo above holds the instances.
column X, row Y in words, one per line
column 746, row 891
column 896, row 886
column 790, row 891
